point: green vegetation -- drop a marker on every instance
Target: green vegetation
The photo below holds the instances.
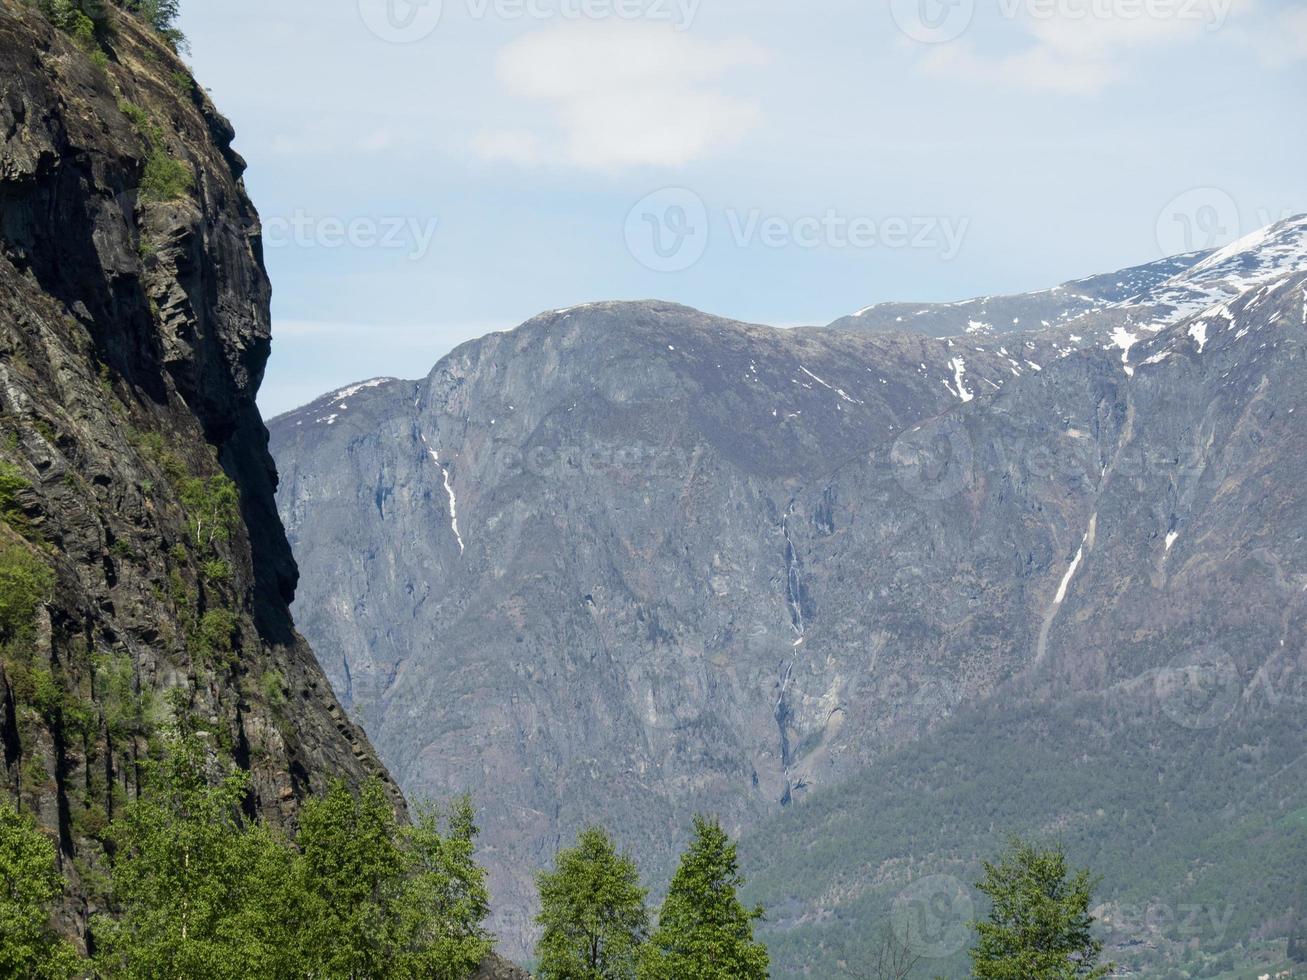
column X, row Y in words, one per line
column 593, row 913
column 214, row 637
column 199, row 890
column 212, row 508
column 191, row 880
column 162, row 16
column 385, row 901
column 272, row 684
column 77, row 18
column 85, row 21
column 12, row 484
column 1039, row 926
column 165, row 178
column 704, row 932
column 128, row 712
column 1132, row 798
column 25, row 583
column 596, row 925
column 29, row 885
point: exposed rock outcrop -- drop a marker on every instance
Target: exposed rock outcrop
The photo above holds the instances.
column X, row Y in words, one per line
column 134, row 328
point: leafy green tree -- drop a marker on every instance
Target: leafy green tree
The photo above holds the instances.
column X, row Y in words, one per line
column 29, row 884
column 353, row 872
column 444, row 899
column 201, row 895
column 1039, row 926
column 704, row 932
column 213, row 504
column 162, row 16
column 593, row 913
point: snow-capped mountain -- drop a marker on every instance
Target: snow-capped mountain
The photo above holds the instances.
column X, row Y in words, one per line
column 630, row 561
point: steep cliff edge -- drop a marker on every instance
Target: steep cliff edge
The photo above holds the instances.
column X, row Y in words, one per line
column 136, row 488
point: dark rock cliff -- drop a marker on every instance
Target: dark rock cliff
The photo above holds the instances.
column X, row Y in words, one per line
column 134, row 329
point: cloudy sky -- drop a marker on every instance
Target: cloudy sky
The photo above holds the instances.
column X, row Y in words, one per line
column 432, row 171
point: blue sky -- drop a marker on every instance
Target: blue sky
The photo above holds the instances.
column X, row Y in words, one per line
column 431, row 172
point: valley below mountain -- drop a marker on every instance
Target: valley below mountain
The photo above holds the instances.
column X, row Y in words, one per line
column 878, row 594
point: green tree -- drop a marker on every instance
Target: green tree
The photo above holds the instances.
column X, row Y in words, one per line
column 29, row 884
column 593, row 912
column 444, row 899
column 162, row 16
column 704, row 932
column 1039, row 926
column 200, row 893
column 213, row 504
column 353, row 872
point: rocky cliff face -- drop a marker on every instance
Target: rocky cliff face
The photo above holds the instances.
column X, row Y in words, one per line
column 630, row 561
column 134, row 329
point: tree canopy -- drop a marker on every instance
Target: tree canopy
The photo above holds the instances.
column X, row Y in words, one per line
column 704, row 932
column 592, row 911
column 1039, row 925
column 29, row 885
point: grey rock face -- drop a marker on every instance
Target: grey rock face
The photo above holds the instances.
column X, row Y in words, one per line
column 133, row 335
column 629, row 561
column 1022, row 312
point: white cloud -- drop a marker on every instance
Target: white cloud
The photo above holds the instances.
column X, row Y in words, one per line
column 623, row 94
column 1084, row 46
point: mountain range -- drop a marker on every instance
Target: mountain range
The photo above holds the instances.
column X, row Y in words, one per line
column 877, row 593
